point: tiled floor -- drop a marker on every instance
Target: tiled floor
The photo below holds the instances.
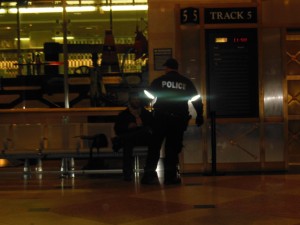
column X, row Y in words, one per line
column 93, row 199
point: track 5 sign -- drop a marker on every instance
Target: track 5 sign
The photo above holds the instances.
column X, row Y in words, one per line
column 230, row 15
column 189, row 15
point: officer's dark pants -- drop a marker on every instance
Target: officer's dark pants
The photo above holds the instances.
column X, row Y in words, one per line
column 171, row 129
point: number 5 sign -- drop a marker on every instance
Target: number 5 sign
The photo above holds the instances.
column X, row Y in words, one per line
column 189, row 15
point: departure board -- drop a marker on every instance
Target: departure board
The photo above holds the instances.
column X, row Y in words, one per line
column 232, row 72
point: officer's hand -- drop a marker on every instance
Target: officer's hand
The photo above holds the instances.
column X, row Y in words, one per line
column 199, row 120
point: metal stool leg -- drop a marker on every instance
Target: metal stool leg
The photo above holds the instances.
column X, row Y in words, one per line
column 26, row 166
column 26, row 170
column 64, row 167
column 136, row 164
column 71, row 167
column 39, row 166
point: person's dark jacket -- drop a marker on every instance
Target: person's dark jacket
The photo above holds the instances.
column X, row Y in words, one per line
column 125, row 118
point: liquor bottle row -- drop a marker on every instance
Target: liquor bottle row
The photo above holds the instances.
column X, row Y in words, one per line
column 118, row 41
column 10, row 66
column 10, row 44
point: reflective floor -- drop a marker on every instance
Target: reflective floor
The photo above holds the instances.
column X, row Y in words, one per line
column 95, row 199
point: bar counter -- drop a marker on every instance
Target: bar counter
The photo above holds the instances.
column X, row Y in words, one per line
column 52, row 115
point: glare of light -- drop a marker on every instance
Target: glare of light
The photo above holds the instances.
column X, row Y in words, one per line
column 3, row 11
column 196, row 97
column 273, row 98
column 124, row 8
column 149, row 95
column 159, row 167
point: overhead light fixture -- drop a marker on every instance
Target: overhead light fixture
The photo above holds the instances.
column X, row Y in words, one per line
column 85, row 2
column 81, row 8
column 15, row 2
column 61, row 38
column 23, row 39
column 53, row 9
column 124, row 8
column 59, row 9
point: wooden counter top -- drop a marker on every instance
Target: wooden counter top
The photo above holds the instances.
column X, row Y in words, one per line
column 92, row 110
column 36, row 115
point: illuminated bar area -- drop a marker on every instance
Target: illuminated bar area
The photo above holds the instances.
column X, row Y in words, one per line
column 57, row 53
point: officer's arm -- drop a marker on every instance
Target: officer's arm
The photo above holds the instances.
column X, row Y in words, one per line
column 198, row 105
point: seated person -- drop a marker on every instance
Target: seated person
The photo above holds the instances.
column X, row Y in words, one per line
column 132, row 128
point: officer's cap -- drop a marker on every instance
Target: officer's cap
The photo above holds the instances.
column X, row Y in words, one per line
column 171, row 63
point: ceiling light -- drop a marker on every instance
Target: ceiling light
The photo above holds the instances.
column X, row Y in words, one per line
column 123, row 2
column 124, row 8
column 80, row 2
column 23, row 39
column 53, row 9
column 81, row 8
column 61, row 38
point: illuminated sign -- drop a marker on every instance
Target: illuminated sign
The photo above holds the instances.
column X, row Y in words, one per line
column 231, row 40
column 230, row 15
column 189, row 15
column 221, row 40
column 240, row 40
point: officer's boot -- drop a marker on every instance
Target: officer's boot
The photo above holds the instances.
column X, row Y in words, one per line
column 172, row 176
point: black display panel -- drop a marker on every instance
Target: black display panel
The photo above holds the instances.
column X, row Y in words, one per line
column 232, row 72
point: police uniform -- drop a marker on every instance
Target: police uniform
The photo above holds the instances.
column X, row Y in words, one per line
column 171, row 116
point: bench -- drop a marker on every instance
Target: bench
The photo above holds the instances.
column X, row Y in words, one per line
column 67, row 142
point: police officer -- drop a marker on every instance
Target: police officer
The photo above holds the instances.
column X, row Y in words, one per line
column 171, row 93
